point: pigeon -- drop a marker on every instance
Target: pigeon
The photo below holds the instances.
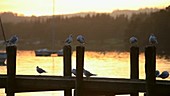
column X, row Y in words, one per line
column 40, row 70
column 153, row 39
column 80, row 39
column 133, row 40
column 69, row 40
column 88, row 74
column 73, row 71
column 12, row 41
column 164, row 74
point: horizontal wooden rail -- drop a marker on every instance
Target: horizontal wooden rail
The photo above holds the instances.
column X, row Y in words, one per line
column 31, row 83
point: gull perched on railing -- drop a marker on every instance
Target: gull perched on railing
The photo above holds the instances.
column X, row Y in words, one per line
column 69, row 40
column 88, row 73
column 81, row 39
column 153, row 39
column 164, row 74
column 40, row 70
column 12, row 41
column 73, row 71
column 133, row 40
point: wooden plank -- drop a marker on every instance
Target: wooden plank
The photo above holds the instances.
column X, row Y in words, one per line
column 150, row 67
column 134, row 65
column 31, row 83
column 79, row 70
column 11, row 70
column 67, row 66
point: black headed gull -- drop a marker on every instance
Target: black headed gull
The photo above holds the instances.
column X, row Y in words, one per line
column 133, row 40
column 40, row 70
column 88, row 74
column 164, row 74
column 69, row 39
column 13, row 40
column 157, row 73
column 153, row 39
column 73, row 71
column 80, row 39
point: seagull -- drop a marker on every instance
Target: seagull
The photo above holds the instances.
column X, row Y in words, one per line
column 13, row 40
column 164, row 74
column 157, row 73
column 153, row 39
column 88, row 74
column 80, row 39
column 40, row 70
column 69, row 39
column 133, row 40
column 73, row 71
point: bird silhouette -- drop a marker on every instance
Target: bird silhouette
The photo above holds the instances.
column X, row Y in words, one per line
column 164, row 74
column 73, row 71
column 157, row 73
column 69, row 40
column 40, row 70
column 81, row 39
column 153, row 39
column 12, row 41
column 133, row 40
column 88, row 73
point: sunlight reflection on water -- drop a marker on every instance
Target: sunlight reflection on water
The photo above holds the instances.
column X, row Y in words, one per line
column 110, row 64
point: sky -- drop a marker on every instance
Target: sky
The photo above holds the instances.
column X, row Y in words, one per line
column 51, row 7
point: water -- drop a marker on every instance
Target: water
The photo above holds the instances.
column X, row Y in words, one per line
column 109, row 64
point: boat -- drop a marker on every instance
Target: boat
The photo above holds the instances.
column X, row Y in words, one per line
column 60, row 52
column 3, row 57
column 46, row 52
column 43, row 52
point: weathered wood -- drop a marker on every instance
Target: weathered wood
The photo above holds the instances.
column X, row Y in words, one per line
column 150, row 67
column 134, row 65
column 32, row 83
column 79, row 70
column 11, row 70
column 67, row 66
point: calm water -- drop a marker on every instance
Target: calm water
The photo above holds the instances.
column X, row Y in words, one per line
column 110, row 64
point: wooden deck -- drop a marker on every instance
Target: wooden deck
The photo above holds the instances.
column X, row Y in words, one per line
column 86, row 87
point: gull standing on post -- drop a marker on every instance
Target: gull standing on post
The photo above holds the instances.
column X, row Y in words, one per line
column 12, row 41
column 81, row 39
column 133, row 40
column 153, row 39
column 40, row 70
column 88, row 74
column 69, row 40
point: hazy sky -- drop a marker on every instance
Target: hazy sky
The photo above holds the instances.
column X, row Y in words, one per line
column 45, row 7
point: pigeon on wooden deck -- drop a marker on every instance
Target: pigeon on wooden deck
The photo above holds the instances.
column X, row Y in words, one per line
column 88, row 74
column 133, row 40
column 81, row 39
column 153, row 39
column 12, row 41
column 69, row 40
column 73, row 71
column 40, row 70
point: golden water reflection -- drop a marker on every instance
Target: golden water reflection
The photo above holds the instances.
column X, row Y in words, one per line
column 109, row 64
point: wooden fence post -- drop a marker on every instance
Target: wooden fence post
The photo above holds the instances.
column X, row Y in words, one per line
column 79, row 69
column 11, row 70
column 150, row 67
column 67, row 66
column 134, row 65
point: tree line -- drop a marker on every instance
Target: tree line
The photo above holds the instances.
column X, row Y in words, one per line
column 102, row 31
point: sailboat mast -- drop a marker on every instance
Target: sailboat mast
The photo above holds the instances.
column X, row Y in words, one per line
column 53, row 25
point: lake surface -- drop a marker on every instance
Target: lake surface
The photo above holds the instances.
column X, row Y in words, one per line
column 108, row 64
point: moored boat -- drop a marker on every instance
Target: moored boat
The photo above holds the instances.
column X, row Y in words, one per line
column 3, row 57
